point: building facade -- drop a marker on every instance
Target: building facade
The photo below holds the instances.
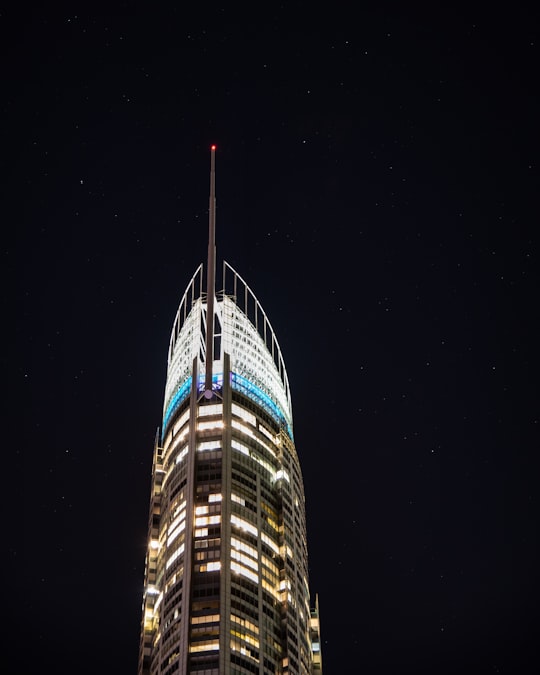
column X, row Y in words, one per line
column 226, row 576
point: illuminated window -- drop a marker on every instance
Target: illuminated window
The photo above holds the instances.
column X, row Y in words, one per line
column 246, row 560
column 270, row 564
column 271, row 588
column 244, row 525
column 206, row 410
column 180, row 422
column 244, row 571
column 208, row 567
column 179, row 518
column 245, row 623
column 181, row 455
column 174, row 533
column 212, row 424
column 236, row 445
column 204, row 646
column 209, row 618
column 269, row 435
column 243, row 428
column 244, row 414
column 237, row 499
column 174, row 556
column 272, row 523
column 209, row 445
column 240, row 446
column 246, row 548
column 246, row 637
column 207, row 520
column 270, row 542
column 283, row 474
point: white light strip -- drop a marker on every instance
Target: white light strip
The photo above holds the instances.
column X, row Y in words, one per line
column 244, row 525
column 174, row 556
column 209, row 445
column 240, row 569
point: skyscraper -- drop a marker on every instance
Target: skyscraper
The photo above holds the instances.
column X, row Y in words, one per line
column 226, row 577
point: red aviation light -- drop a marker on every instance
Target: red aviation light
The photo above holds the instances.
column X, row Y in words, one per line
column 212, row 147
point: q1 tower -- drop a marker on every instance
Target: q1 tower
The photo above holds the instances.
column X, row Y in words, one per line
column 226, row 577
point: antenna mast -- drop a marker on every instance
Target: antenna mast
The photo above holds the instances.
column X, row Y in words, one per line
column 211, row 276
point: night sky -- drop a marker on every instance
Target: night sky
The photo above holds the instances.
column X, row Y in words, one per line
column 377, row 187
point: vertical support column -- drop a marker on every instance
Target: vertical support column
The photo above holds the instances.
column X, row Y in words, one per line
column 185, row 625
column 226, row 470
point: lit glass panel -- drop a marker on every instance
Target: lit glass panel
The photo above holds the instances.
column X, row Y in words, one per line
column 204, row 646
column 174, row 556
column 246, row 560
column 283, row 474
column 180, row 508
column 209, row 618
column 207, row 520
column 270, row 564
column 174, row 533
column 181, row 421
column 270, row 542
column 236, row 445
column 243, row 428
column 246, row 548
column 245, row 572
column 249, row 432
column 271, row 588
column 249, row 639
column 245, row 623
column 244, row 414
column 205, row 410
column 211, row 424
column 209, row 445
column 181, row 455
column 240, row 446
column 267, row 433
column 244, row 525
column 179, row 518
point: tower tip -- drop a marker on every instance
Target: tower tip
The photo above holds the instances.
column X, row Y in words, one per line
column 212, row 147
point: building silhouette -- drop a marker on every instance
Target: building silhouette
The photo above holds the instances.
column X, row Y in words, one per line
column 226, row 575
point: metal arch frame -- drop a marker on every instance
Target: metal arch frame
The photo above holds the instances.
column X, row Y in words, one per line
column 246, row 302
column 266, row 332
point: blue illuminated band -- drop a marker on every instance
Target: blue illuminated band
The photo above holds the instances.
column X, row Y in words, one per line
column 244, row 386
column 239, row 383
column 176, row 400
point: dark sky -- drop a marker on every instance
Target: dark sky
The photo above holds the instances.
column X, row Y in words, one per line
column 377, row 186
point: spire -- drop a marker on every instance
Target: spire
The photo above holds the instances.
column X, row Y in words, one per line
column 211, row 276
